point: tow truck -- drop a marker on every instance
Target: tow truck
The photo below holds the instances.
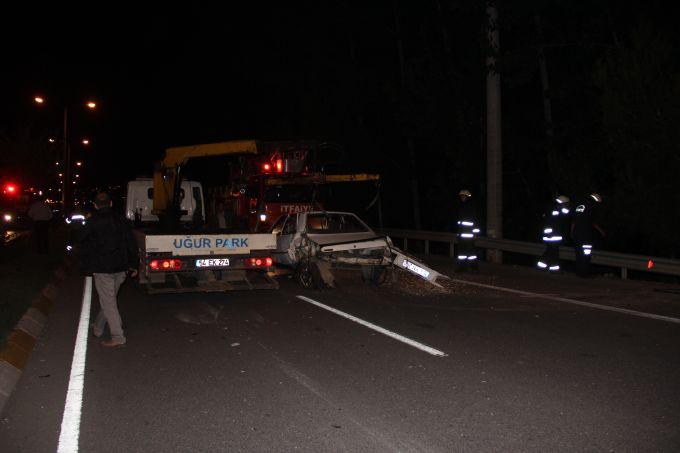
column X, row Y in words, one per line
column 177, row 253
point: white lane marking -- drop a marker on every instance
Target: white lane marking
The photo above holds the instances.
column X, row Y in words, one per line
column 377, row 328
column 70, row 423
column 625, row 311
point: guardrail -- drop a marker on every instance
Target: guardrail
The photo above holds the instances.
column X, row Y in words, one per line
column 623, row 261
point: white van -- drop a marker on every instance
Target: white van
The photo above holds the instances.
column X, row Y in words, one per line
column 139, row 203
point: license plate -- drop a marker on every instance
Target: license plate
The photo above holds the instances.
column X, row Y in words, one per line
column 213, row 262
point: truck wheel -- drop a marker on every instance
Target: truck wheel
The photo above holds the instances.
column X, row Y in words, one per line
column 142, row 276
column 308, row 276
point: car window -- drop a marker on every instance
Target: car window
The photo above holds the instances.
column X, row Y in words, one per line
column 290, row 226
column 278, row 225
column 334, row 223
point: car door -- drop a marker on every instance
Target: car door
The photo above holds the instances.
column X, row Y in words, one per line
column 284, row 228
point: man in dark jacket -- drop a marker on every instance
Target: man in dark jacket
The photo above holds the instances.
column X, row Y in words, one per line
column 108, row 252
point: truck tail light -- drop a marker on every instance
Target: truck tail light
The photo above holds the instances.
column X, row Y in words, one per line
column 259, row 262
column 165, row 265
column 279, row 165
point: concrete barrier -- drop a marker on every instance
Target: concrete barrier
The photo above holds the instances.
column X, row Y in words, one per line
column 22, row 340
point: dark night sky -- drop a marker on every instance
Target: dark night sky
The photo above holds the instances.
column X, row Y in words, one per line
column 181, row 76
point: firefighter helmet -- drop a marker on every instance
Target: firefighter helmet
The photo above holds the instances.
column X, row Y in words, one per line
column 464, row 193
column 562, row 199
column 596, row 197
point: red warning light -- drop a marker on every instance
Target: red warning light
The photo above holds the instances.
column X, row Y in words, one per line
column 650, row 264
column 266, row 167
column 10, row 189
column 279, row 165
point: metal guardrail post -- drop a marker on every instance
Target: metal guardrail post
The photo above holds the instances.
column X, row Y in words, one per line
column 624, row 273
column 452, row 250
column 427, row 247
column 405, row 244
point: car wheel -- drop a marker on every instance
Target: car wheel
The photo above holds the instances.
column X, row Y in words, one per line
column 308, row 276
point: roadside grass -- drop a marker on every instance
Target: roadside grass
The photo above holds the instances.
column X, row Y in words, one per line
column 23, row 274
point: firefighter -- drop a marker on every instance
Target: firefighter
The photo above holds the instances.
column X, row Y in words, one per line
column 554, row 227
column 586, row 232
column 467, row 228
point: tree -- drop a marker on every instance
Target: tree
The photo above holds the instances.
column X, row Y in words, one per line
column 640, row 155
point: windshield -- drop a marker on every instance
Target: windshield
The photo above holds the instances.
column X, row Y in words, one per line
column 334, row 223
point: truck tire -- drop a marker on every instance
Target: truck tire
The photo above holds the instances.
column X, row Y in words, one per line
column 308, row 275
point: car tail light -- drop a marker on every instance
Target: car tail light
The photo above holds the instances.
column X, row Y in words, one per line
column 259, row 262
column 165, row 265
column 266, row 167
column 279, row 165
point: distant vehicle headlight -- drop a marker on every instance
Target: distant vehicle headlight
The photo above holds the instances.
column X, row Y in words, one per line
column 7, row 217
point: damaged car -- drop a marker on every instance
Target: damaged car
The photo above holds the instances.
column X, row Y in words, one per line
column 313, row 244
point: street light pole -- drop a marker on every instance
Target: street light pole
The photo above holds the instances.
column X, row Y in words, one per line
column 65, row 198
column 67, row 162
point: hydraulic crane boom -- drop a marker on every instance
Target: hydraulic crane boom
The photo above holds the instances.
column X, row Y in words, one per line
column 167, row 177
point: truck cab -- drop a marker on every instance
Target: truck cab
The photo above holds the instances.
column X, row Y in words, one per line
column 139, row 202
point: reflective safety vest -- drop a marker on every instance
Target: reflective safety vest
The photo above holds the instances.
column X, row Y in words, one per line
column 554, row 225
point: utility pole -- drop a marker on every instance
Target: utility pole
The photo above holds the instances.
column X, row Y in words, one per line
column 67, row 165
column 494, row 155
column 410, row 141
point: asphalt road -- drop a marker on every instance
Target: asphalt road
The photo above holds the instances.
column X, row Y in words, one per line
column 266, row 371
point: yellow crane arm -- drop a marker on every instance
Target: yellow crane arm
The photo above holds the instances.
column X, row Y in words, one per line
column 165, row 177
column 181, row 154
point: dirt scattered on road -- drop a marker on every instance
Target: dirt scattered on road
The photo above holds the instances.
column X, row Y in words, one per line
column 415, row 286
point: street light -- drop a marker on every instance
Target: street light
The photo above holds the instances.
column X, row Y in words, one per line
column 79, row 164
column 51, row 140
column 67, row 149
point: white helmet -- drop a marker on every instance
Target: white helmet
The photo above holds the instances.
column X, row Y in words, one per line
column 464, row 193
column 562, row 199
column 596, row 197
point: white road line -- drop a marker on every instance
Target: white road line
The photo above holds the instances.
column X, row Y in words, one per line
column 70, row 423
column 625, row 311
column 370, row 325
